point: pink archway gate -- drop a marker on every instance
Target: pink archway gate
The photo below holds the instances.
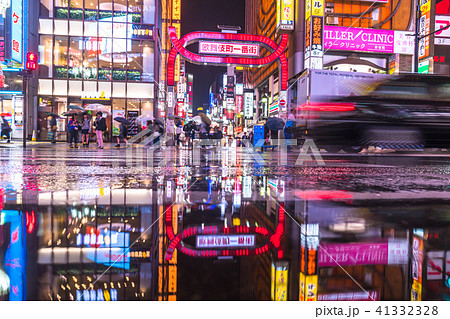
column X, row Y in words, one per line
column 277, row 52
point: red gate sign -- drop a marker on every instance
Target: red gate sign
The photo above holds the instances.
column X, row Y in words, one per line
column 243, row 49
column 223, row 241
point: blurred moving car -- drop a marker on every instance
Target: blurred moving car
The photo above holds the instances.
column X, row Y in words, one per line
column 410, row 111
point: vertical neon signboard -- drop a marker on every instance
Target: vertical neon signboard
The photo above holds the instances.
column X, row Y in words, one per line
column 17, row 31
column 15, row 254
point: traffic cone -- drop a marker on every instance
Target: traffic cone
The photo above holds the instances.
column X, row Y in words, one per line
column 33, row 138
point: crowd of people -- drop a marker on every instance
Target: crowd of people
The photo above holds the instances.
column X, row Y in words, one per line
column 177, row 133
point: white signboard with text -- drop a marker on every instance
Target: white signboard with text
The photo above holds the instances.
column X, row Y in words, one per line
column 225, row 241
column 245, row 49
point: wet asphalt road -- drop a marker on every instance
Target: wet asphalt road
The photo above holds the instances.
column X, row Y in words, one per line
column 47, row 168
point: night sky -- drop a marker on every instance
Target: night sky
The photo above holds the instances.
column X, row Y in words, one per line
column 205, row 15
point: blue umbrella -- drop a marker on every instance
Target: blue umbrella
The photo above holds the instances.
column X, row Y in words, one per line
column 275, row 124
column 75, row 107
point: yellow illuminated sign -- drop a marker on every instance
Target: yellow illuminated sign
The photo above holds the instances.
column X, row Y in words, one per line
column 279, row 281
column 317, row 8
column 307, row 9
column 285, row 14
column 308, row 287
column 176, row 9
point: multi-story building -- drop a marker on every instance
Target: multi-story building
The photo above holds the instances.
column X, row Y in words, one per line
column 96, row 51
column 334, row 35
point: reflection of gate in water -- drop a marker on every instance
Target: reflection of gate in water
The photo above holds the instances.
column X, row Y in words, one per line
column 271, row 239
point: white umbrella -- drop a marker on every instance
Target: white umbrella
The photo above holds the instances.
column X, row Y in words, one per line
column 215, row 124
column 197, row 119
column 145, row 117
column 98, row 108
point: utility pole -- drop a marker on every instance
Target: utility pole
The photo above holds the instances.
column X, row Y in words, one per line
column 25, row 110
column 417, row 39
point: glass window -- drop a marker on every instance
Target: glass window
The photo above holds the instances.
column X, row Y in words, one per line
column 147, row 107
column 46, row 56
column 118, row 111
column 91, row 4
column 76, row 9
column 148, row 10
column 135, row 6
column 75, row 57
column 90, row 12
column 402, row 90
column 443, row 92
column 62, row 3
column 148, row 61
column 134, row 61
column 46, row 9
column 90, row 58
column 120, row 8
column 119, row 60
column 104, row 59
column 105, row 9
column 133, row 106
column 60, row 56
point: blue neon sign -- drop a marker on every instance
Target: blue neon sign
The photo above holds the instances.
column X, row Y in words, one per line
column 17, row 31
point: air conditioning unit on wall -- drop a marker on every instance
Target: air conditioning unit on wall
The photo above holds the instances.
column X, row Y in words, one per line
column 330, row 20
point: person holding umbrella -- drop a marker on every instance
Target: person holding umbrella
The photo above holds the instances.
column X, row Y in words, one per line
column 53, row 128
column 85, row 130
column 100, row 127
column 6, row 130
column 73, row 132
column 123, row 130
column 178, row 131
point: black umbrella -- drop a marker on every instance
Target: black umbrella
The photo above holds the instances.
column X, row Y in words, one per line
column 275, row 124
column 159, row 122
column 53, row 114
column 122, row 120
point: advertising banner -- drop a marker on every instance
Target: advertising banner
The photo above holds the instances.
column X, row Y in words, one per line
column 368, row 40
column 248, row 104
column 352, row 254
column 416, row 269
column 17, row 31
column 285, row 15
column 441, row 22
column 116, row 125
column 239, row 100
column 424, row 28
column 371, row 295
column 279, row 280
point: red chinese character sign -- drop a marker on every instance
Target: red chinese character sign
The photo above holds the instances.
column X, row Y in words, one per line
column 228, row 48
column 214, row 241
column 240, row 42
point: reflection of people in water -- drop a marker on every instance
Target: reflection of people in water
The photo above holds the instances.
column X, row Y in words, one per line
column 442, row 6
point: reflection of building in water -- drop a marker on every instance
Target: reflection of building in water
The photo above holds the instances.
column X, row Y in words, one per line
column 221, row 244
column 84, row 248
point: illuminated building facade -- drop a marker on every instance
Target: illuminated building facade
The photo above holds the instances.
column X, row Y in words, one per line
column 97, row 51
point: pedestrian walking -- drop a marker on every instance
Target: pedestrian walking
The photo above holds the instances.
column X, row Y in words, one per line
column 73, row 132
column 289, row 128
column 170, row 131
column 123, row 133
column 178, row 131
column 53, row 128
column 100, row 127
column 6, row 130
column 204, row 131
column 244, row 139
column 85, row 130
